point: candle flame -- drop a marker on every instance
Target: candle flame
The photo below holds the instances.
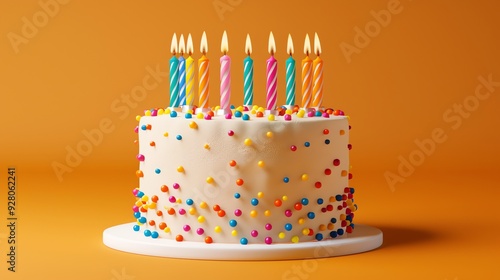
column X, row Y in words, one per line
column 317, row 45
column 182, row 47
column 307, row 45
column 224, row 46
column 272, row 45
column 248, row 45
column 189, row 45
column 204, row 43
column 173, row 46
column 289, row 45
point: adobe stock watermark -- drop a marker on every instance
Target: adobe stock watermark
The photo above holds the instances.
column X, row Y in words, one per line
column 122, row 275
column 308, row 266
column 363, row 37
column 31, row 26
column 121, row 108
column 223, row 6
column 453, row 117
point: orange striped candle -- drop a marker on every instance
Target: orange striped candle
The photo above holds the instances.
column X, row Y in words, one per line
column 318, row 75
column 307, row 75
column 203, row 74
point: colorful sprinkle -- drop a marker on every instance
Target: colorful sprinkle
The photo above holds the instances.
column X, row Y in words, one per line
column 243, row 241
column 248, row 142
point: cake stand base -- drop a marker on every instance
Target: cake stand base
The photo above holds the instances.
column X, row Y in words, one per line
column 123, row 238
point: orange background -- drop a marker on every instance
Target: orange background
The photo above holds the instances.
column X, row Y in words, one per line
column 62, row 79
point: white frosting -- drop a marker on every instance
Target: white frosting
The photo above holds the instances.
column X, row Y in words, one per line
column 279, row 161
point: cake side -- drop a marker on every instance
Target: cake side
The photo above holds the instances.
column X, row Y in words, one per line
column 243, row 181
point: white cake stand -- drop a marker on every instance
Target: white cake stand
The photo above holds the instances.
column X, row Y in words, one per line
column 122, row 237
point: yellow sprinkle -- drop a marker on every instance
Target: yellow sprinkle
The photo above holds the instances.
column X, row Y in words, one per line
column 240, row 108
column 144, row 198
column 210, row 180
column 138, row 203
column 260, row 194
column 267, row 213
column 342, row 217
column 234, row 232
column 201, row 219
column 138, row 118
column 253, row 213
column 285, row 198
column 218, row 229
column 330, row 226
column 305, row 177
column 269, row 134
column 322, row 227
column 165, row 134
column 180, row 169
column 193, row 125
column 295, row 239
column 301, row 113
column 347, row 223
column 255, row 107
column 253, row 112
column 288, row 111
column 248, row 142
column 343, row 173
column 167, row 230
column 167, row 111
column 281, row 235
column 203, row 204
column 217, row 108
column 147, row 113
column 145, row 206
column 270, row 117
column 192, row 211
column 152, row 205
column 179, row 201
column 261, row 109
column 160, row 112
column 206, row 146
column 301, row 221
column 199, row 116
column 305, row 231
column 190, row 111
column 332, row 199
column 260, row 163
column 349, row 202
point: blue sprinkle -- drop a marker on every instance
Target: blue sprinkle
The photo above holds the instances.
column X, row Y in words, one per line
column 311, row 215
column 237, row 114
column 178, row 137
column 349, row 218
column 142, row 220
column 189, row 201
column 305, row 201
column 333, row 234
column 154, row 234
column 254, row 201
column 157, row 171
column 136, row 227
column 320, row 201
column 352, row 225
column 327, row 141
column 338, row 197
column 143, row 127
column 333, row 220
column 232, row 107
column 173, row 114
column 352, row 190
column 237, row 195
column 188, row 116
column 243, row 241
column 140, row 194
column 137, row 215
column 307, row 144
column 147, row 232
column 286, row 180
column 317, row 114
column 246, row 117
column 233, row 223
column 340, row 231
column 288, row 227
column 319, row 236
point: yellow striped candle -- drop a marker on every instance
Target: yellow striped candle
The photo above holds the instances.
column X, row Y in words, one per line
column 307, row 75
column 189, row 73
column 318, row 74
column 203, row 74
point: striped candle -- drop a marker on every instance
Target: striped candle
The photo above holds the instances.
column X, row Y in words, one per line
column 318, row 74
column 271, row 74
column 306, row 75
column 189, row 72
column 203, row 74
column 182, row 73
column 248, row 74
column 225, row 74
column 174, row 73
column 290, row 74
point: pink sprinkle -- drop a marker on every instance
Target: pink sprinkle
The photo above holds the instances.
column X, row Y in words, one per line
column 135, row 208
column 200, row 231
column 140, row 157
column 326, row 115
column 186, row 227
column 341, row 113
column 208, row 117
column 310, row 114
column 135, row 191
column 172, row 199
column 136, row 129
column 246, row 108
column 176, row 186
column 288, row 117
column 288, row 213
column 268, row 240
column 293, row 148
column 182, row 211
column 254, row 233
column 229, row 116
column 154, row 113
column 230, row 133
column 268, row 226
column 237, row 212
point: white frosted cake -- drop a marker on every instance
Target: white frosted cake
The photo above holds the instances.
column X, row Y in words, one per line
column 244, row 178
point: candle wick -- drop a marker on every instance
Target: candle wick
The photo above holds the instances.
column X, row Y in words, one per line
column 248, row 52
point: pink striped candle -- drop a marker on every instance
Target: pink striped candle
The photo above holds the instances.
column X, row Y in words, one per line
column 271, row 73
column 225, row 75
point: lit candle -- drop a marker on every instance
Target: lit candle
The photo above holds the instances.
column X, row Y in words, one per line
column 182, row 73
column 290, row 75
column 318, row 74
column 271, row 73
column 203, row 74
column 248, row 74
column 225, row 76
column 306, row 75
column 189, row 73
column 174, row 73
